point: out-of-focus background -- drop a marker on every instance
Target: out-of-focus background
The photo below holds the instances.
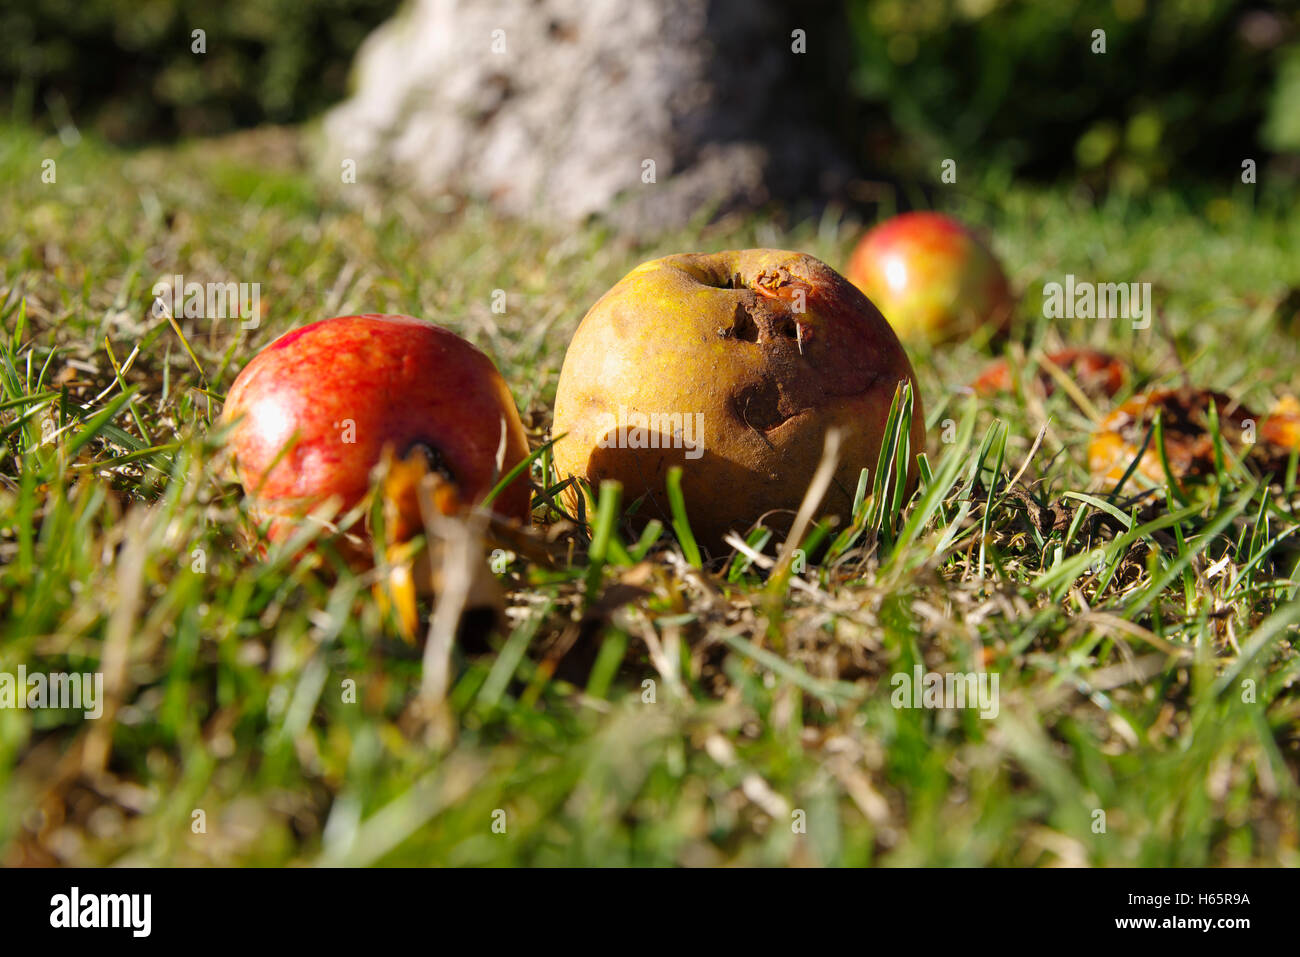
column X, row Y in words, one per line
column 129, row 72
column 1185, row 88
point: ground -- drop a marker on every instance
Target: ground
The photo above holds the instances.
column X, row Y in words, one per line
column 634, row 710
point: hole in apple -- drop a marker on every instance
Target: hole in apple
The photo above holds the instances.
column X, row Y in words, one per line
column 743, row 328
column 787, row 327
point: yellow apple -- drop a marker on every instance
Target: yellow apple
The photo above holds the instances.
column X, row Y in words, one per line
column 734, row 366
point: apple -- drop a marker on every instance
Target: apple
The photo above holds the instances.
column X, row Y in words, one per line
column 1189, row 446
column 317, row 410
column 1097, row 373
column 734, row 366
column 933, row 279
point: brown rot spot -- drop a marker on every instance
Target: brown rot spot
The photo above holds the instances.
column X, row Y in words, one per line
column 759, row 405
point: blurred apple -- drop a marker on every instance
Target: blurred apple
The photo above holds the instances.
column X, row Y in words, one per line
column 318, row 409
column 1282, row 426
column 932, row 278
column 1097, row 373
column 734, row 366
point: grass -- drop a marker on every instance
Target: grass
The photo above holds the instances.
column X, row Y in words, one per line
column 639, row 706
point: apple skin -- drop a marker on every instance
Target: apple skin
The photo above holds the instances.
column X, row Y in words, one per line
column 933, row 279
column 393, row 384
column 718, row 335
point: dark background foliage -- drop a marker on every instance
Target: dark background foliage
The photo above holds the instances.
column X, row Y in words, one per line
column 125, row 67
column 1191, row 86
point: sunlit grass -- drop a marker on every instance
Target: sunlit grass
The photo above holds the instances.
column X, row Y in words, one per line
column 640, row 705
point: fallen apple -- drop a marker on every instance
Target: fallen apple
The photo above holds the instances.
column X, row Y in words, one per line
column 1098, row 374
column 318, row 409
column 932, row 278
column 1189, row 444
column 734, row 366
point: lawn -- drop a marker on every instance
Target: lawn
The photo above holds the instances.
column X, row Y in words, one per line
column 634, row 709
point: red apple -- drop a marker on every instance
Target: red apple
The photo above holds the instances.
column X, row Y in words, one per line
column 321, row 406
column 931, row 277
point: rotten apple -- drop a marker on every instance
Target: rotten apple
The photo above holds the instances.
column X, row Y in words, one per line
column 734, row 366
column 1185, row 420
column 1189, row 445
column 318, row 409
column 1098, row 374
column 932, row 278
